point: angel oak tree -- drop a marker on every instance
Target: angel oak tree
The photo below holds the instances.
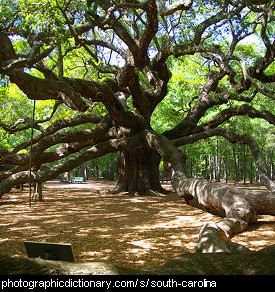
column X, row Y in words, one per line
column 121, row 52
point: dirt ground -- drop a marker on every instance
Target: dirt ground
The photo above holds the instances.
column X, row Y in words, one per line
column 135, row 232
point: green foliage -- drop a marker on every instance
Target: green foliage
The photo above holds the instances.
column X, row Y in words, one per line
column 188, row 73
column 13, row 105
column 92, row 4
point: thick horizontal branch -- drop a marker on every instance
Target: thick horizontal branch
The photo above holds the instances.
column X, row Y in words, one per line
column 240, row 207
column 112, row 145
column 242, row 110
column 182, row 50
column 54, row 139
column 171, row 9
column 28, row 62
column 64, row 150
column 71, row 91
column 58, row 125
column 42, row 89
column 27, row 122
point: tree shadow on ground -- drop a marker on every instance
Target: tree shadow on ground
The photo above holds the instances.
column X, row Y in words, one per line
column 135, row 232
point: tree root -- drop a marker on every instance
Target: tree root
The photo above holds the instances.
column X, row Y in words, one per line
column 146, row 193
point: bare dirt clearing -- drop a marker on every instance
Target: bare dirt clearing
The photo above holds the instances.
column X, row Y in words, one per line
column 135, row 232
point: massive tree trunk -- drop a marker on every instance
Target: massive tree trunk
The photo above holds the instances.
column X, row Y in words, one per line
column 139, row 172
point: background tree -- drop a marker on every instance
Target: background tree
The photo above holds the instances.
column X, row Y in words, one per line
column 111, row 64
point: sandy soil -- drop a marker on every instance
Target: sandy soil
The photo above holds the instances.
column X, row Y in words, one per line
column 134, row 232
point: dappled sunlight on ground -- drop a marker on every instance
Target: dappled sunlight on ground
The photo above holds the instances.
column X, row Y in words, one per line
column 258, row 235
column 135, row 232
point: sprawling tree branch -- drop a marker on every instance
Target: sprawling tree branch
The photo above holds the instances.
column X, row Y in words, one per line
column 100, row 149
column 243, row 110
column 240, row 207
column 45, row 142
column 42, row 89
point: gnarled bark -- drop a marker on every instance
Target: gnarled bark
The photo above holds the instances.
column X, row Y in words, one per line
column 138, row 172
column 238, row 209
column 240, row 206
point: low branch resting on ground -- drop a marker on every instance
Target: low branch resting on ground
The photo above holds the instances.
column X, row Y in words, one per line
column 240, row 206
